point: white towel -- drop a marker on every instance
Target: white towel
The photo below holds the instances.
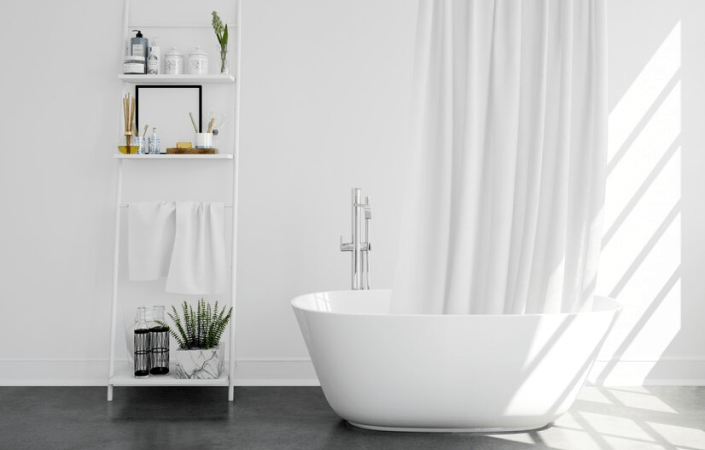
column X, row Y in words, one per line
column 198, row 263
column 151, row 230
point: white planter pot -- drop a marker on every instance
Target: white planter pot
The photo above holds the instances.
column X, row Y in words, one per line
column 199, row 364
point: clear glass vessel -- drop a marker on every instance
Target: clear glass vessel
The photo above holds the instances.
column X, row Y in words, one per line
column 159, row 343
column 142, row 344
column 155, row 143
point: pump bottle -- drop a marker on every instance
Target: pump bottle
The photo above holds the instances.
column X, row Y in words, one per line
column 155, row 57
column 139, row 46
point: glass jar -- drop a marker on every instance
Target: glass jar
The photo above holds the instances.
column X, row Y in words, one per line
column 215, row 139
column 159, row 343
column 137, row 145
column 155, row 143
column 142, row 345
column 139, row 141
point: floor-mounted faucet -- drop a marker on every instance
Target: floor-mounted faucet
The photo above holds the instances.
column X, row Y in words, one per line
column 359, row 245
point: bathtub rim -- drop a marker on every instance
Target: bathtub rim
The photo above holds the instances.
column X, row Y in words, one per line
column 613, row 306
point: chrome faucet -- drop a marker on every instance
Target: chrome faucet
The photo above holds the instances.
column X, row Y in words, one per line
column 359, row 245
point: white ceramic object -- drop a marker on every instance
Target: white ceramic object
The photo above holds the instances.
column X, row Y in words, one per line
column 447, row 372
column 174, row 62
column 133, row 65
column 199, row 364
column 198, row 62
column 204, row 140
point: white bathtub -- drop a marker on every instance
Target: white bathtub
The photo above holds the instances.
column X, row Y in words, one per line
column 444, row 372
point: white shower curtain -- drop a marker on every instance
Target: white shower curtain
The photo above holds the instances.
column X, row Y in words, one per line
column 506, row 181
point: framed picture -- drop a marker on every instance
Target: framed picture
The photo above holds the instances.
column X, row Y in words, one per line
column 167, row 108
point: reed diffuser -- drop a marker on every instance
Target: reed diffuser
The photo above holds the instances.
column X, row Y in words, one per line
column 129, row 105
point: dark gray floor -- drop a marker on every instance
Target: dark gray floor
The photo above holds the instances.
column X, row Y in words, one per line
column 273, row 418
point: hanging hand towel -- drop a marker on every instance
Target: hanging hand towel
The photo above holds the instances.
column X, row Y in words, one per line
column 151, row 231
column 198, row 260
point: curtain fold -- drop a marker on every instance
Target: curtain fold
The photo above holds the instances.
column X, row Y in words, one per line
column 506, row 177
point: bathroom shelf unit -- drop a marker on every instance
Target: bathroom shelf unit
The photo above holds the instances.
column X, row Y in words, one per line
column 177, row 79
column 120, row 373
column 175, row 156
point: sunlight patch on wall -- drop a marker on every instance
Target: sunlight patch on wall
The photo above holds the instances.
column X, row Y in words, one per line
column 644, row 91
column 641, row 258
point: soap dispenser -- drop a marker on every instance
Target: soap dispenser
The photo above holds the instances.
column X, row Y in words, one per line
column 139, row 45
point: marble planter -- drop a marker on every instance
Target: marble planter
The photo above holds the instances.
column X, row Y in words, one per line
column 199, row 364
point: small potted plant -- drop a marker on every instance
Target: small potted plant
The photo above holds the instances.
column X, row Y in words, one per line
column 198, row 334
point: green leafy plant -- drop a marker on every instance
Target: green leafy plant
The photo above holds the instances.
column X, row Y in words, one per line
column 221, row 33
column 200, row 328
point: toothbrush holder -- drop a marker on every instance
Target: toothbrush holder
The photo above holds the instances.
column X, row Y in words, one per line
column 204, row 140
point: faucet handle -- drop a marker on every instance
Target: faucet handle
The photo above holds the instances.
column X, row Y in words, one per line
column 345, row 246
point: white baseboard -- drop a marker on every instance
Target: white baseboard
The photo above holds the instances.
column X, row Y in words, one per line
column 300, row 372
column 53, row 372
column 275, row 372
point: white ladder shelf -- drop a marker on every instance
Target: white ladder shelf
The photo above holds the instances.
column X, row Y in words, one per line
column 122, row 375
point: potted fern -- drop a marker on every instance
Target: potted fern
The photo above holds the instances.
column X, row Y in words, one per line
column 198, row 333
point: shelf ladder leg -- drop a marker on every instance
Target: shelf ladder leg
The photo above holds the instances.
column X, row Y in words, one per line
column 236, row 166
column 116, row 261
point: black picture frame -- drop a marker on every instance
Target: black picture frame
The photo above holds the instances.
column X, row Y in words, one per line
column 169, row 86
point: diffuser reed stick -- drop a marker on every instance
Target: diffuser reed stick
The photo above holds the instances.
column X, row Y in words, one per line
column 128, row 123
column 129, row 108
column 133, row 107
column 210, row 125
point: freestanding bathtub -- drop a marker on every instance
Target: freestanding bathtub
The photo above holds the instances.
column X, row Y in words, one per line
column 447, row 372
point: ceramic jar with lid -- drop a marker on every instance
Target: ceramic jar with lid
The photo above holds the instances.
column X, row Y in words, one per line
column 133, row 65
column 198, row 62
column 174, row 62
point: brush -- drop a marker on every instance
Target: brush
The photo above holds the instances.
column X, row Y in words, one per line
column 193, row 122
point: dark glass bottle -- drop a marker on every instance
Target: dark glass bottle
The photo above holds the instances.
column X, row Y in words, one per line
column 159, row 343
column 142, row 345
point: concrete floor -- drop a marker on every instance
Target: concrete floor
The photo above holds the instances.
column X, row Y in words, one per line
column 299, row 418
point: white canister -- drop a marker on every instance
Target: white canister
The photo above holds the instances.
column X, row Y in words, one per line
column 198, row 62
column 174, row 62
column 204, row 140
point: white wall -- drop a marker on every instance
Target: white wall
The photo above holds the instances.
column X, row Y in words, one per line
column 324, row 105
column 653, row 250
column 324, row 101
column 57, row 177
